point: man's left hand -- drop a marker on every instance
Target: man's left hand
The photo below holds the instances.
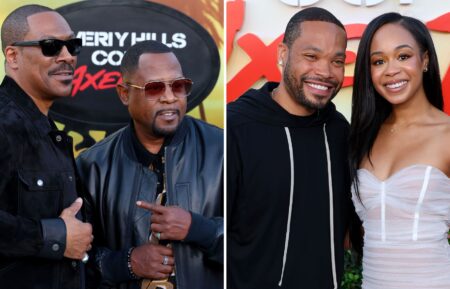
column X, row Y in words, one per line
column 172, row 223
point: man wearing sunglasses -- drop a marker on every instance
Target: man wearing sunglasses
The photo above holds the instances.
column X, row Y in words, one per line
column 42, row 239
column 172, row 165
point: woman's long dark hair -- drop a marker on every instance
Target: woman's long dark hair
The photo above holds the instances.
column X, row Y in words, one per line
column 369, row 109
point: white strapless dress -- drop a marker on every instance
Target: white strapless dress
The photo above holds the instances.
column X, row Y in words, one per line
column 406, row 219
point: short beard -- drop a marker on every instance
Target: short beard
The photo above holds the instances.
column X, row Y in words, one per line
column 158, row 131
column 295, row 89
column 161, row 132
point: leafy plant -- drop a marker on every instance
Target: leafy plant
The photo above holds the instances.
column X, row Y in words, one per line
column 352, row 271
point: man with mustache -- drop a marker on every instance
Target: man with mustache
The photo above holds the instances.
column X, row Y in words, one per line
column 42, row 236
column 159, row 178
column 288, row 188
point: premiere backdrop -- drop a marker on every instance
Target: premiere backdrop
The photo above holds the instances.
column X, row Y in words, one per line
column 255, row 27
column 194, row 29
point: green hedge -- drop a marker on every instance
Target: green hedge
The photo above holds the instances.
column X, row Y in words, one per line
column 352, row 271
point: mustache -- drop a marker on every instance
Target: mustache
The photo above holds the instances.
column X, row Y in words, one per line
column 62, row 67
column 332, row 82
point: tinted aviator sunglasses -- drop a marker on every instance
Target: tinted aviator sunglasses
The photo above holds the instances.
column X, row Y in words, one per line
column 153, row 90
column 52, row 47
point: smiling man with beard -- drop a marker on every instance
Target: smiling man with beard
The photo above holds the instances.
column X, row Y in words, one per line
column 156, row 186
column 42, row 236
column 288, row 188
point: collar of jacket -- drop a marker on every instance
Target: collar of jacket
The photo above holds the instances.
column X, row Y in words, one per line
column 16, row 94
column 176, row 140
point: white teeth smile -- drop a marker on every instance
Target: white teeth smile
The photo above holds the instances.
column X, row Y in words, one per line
column 168, row 113
column 396, row 85
column 318, row 86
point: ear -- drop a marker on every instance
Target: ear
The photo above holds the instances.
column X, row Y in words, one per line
column 11, row 57
column 122, row 91
column 282, row 53
column 425, row 61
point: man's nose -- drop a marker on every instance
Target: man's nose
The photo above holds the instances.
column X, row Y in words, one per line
column 65, row 56
column 323, row 69
column 168, row 95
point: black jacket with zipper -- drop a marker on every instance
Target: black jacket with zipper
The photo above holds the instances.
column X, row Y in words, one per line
column 115, row 180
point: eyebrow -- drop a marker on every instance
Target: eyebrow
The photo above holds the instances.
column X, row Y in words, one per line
column 310, row 47
column 164, row 79
column 396, row 48
column 71, row 35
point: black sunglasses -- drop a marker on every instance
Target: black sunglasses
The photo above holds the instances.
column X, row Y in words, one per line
column 181, row 88
column 52, row 47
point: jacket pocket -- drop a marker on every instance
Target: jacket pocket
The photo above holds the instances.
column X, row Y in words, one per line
column 5, row 269
column 31, row 273
column 40, row 194
column 181, row 196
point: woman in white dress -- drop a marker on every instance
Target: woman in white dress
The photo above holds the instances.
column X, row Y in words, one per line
column 400, row 157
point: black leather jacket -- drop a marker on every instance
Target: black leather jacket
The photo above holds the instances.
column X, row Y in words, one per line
column 37, row 181
column 116, row 180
